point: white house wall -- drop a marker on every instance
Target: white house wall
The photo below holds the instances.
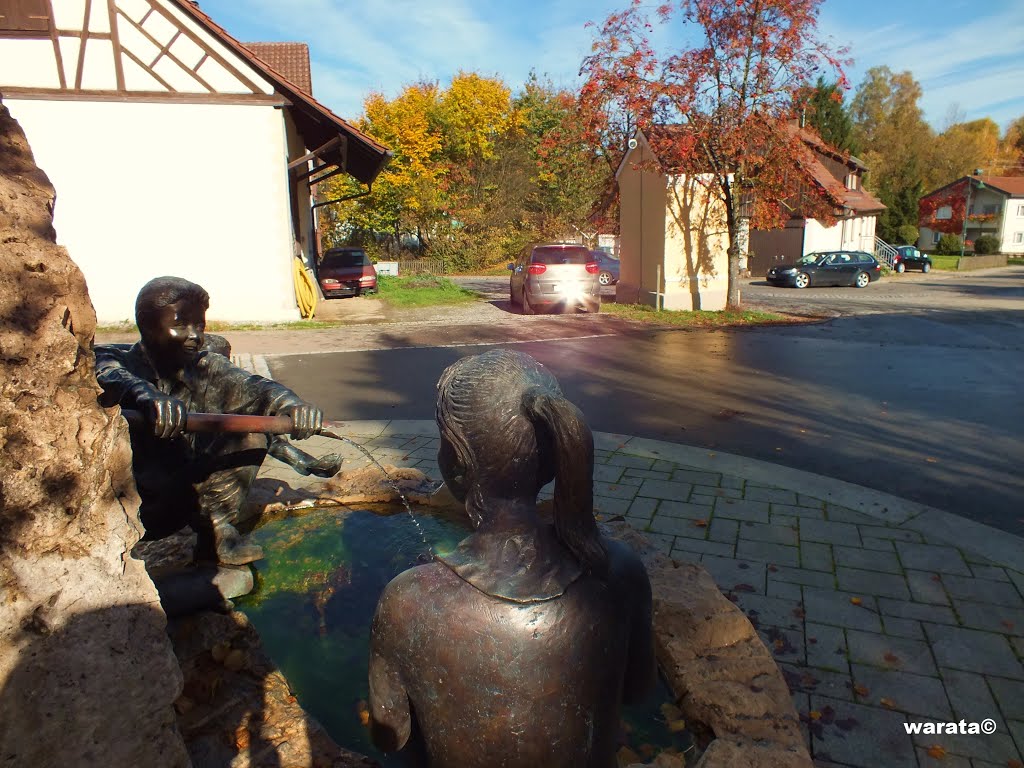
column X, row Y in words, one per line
column 695, row 270
column 853, row 233
column 159, row 46
column 1013, row 226
column 820, row 238
column 148, row 189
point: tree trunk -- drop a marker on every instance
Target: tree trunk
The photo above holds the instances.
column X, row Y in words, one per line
column 732, row 300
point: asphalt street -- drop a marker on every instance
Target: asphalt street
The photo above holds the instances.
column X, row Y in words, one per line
column 913, row 389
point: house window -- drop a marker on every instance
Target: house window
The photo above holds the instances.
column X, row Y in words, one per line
column 25, row 18
column 851, row 181
column 1020, row 210
column 990, row 209
column 945, row 212
column 1018, row 237
column 935, row 238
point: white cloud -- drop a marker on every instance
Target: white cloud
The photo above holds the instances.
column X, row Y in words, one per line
column 963, row 54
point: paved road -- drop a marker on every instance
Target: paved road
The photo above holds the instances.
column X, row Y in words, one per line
column 908, row 391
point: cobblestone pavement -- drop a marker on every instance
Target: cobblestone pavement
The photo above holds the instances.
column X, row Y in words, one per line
column 880, row 612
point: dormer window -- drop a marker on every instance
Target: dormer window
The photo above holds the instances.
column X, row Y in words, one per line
column 852, row 181
column 25, row 18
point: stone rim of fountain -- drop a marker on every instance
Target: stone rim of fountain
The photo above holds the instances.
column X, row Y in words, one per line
column 722, row 676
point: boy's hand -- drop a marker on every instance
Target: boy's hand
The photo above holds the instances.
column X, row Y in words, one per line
column 307, row 420
column 167, row 415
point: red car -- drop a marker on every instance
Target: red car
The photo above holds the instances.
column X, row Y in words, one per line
column 346, row 272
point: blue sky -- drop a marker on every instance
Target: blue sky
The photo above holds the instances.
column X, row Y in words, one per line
column 967, row 55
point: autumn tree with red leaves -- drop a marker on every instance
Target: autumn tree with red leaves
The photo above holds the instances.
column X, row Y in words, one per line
column 731, row 93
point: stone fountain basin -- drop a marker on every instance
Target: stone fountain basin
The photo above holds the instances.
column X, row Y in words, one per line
column 724, row 679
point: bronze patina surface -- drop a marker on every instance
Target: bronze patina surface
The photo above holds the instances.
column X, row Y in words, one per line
column 518, row 648
column 183, row 479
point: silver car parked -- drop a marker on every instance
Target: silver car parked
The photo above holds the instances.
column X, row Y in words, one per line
column 560, row 276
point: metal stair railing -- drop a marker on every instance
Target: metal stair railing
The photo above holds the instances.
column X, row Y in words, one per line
column 885, row 252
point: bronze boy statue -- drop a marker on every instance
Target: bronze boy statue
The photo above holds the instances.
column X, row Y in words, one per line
column 183, row 479
column 519, row 647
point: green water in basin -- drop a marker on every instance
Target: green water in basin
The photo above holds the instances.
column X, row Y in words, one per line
column 317, row 588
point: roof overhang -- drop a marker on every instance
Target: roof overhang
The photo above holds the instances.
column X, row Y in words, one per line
column 337, row 142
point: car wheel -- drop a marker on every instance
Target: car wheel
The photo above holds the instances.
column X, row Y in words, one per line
column 901, row 267
column 862, row 279
column 605, row 278
column 527, row 307
column 926, row 267
column 511, row 294
column 802, row 280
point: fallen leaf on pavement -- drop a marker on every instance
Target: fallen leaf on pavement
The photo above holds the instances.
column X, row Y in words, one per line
column 891, row 657
column 700, row 523
column 931, row 460
column 856, row 600
column 815, row 714
column 861, row 690
column 887, row 703
column 936, row 751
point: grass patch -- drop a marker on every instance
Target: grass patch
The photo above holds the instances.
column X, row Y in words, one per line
column 1015, row 261
column 422, row 291
column 696, row 318
column 948, row 263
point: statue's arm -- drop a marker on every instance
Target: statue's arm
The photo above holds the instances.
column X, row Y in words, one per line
column 243, row 392
column 390, row 715
column 121, row 386
column 642, row 665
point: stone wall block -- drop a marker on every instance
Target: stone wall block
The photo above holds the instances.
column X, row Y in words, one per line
column 87, row 673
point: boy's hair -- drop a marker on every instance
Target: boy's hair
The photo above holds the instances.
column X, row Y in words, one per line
column 161, row 291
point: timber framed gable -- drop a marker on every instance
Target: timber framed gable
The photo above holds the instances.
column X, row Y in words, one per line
column 119, row 50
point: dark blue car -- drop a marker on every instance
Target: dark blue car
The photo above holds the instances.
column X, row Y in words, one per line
column 828, row 268
column 609, row 266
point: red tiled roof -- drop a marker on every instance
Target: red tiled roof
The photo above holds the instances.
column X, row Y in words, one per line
column 289, row 59
column 1011, row 185
column 856, row 200
column 364, row 159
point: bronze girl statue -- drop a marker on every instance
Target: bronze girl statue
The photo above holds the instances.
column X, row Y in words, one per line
column 518, row 648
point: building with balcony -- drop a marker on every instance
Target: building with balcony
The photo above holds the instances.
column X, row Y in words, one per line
column 973, row 206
